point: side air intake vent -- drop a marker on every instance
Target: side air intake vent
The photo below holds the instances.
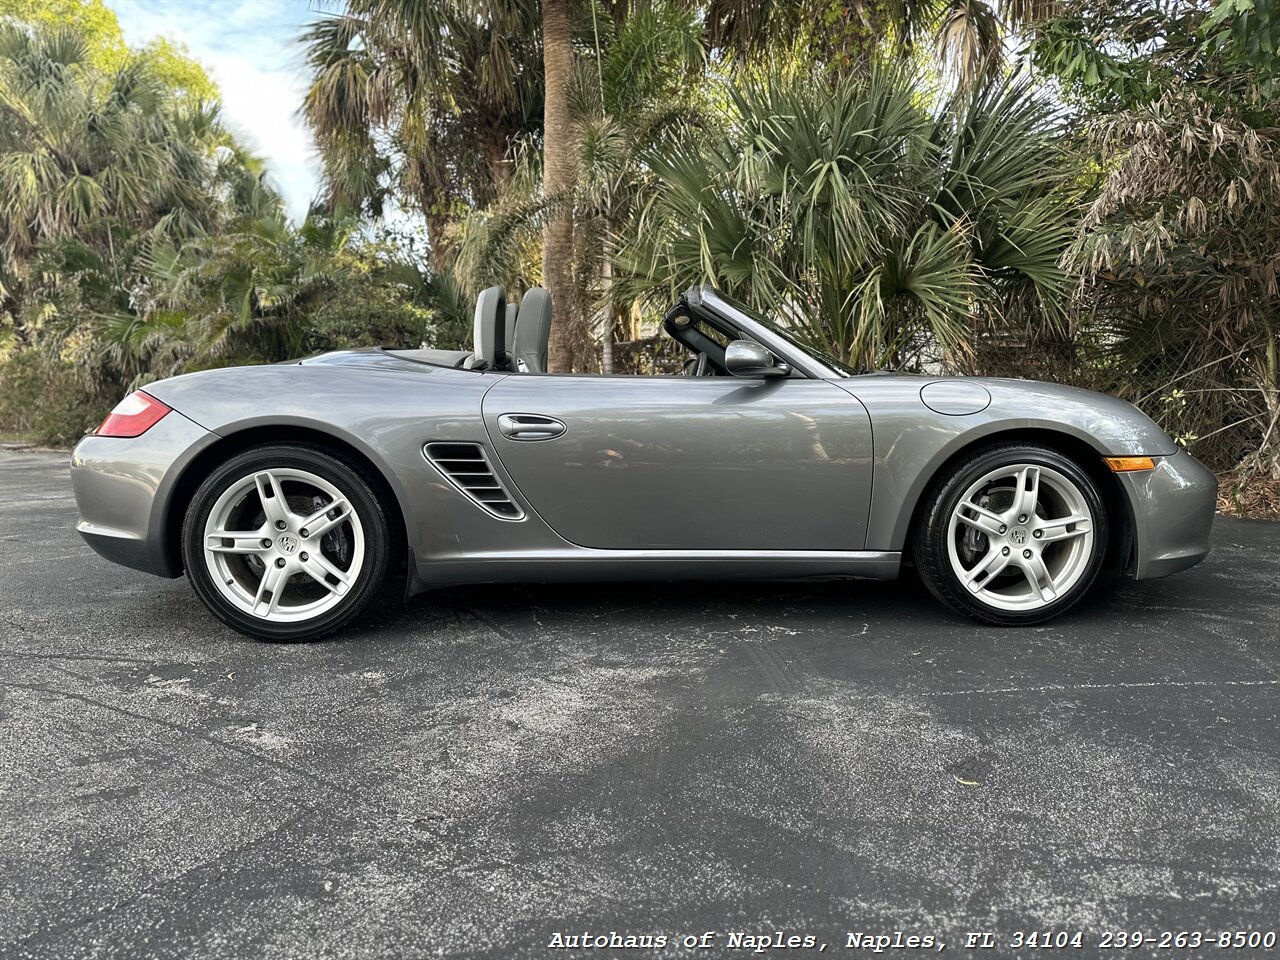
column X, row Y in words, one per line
column 467, row 468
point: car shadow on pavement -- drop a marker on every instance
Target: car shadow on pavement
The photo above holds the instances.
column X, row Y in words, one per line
column 900, row 602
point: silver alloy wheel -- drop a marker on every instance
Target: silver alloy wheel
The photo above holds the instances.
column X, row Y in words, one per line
column 1020, row 537
column 283, row 545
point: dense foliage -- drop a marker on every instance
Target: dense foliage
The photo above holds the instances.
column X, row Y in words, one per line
column 138, row 239
column 883, row 230
column 1178, row 253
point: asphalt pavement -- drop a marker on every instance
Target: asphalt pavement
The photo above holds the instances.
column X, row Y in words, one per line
column 485, row 770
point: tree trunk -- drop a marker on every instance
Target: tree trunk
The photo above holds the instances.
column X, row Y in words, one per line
column 606, row 315
column 560, row 176
column 438, row 253
column 494, row 144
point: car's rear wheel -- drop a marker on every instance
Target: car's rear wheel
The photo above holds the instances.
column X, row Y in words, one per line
column 1012, row 534
column 286, row 542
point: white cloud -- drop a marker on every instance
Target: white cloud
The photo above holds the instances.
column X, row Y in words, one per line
column 250, row 49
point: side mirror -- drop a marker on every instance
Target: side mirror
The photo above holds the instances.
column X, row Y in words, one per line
column 742, row 358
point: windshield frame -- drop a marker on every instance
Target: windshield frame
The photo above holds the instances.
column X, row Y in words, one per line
column 827, row 366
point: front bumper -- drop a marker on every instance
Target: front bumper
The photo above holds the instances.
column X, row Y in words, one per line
column 123, row 488
column 1173, row 507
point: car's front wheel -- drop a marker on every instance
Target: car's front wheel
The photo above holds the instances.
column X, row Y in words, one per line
column 286, row 542
column 1013, row 534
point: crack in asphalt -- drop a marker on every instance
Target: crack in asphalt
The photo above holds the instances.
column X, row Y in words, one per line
column 65, row 556
column 52, row 933
column 496, row 628
column 183, row 729
column 86, row 657
column 1119, row 685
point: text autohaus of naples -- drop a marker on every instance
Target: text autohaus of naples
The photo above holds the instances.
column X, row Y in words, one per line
column 739, row 940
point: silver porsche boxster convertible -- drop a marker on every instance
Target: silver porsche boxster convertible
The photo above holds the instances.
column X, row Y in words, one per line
column 294, row 495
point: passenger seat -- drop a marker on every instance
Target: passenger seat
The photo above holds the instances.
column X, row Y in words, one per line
column 533, row 331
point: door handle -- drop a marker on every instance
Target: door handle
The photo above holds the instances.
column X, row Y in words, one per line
column 530, row 426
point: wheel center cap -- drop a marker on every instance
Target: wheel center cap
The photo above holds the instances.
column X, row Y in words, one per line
column 1018, row 535
column 289, row 544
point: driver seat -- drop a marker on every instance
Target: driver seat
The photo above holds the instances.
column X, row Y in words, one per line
column 533, row 332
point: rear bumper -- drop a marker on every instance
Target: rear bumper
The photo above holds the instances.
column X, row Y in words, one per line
column 1173, row 507
column 123, row 488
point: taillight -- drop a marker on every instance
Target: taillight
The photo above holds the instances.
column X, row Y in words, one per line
column 133, row 416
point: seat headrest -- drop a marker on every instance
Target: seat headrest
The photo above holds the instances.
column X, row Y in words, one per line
column 533, row 332
column 489, row 343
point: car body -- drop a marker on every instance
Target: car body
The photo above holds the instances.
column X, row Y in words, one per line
column 803, row 471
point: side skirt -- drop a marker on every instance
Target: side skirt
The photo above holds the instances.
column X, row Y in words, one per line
column 570, row 564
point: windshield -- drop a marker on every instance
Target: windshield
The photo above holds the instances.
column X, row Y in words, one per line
column 834, row 363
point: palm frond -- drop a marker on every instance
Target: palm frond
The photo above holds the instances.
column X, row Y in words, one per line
column 879, row 229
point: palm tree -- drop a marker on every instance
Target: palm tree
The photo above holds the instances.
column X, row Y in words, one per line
column 433, row 101
column 969, row 37
column 419, row 102
column 91, row 164
column 559, row 177
column 265, row 290
column 882, row 231
column 645, row 87
column 637, row 83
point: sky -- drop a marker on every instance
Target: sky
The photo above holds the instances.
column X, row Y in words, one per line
column 250, row 50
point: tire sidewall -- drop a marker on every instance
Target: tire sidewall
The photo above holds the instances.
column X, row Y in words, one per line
column 342, row 475
column 947, row 584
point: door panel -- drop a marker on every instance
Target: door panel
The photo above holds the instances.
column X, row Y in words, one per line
column 708, row 463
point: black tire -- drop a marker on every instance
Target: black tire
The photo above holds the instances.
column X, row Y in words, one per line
column 930, row 536
column 365, row 502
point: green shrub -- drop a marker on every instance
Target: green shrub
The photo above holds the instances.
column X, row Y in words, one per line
column 366, row 315
column 45, row 401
